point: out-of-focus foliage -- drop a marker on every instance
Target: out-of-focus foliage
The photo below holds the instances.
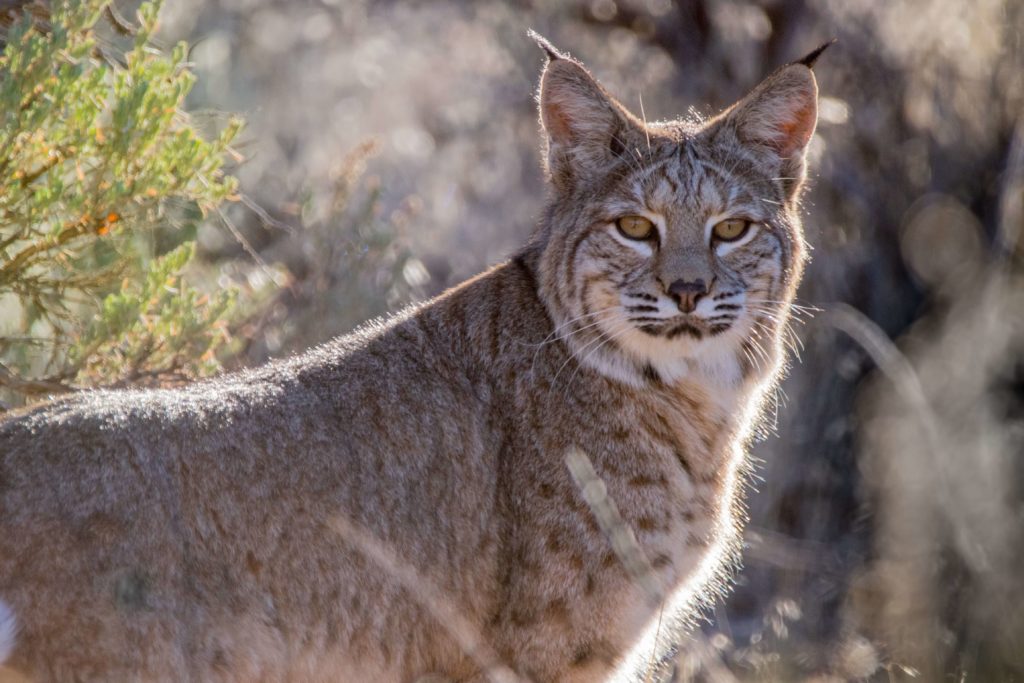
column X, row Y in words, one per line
column 345, row 261
column 97, row 163
column 158, row 328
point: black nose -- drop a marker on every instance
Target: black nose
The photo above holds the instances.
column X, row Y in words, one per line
column 688, row 293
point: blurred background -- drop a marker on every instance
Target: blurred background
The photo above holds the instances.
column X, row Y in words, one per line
column 392, row 150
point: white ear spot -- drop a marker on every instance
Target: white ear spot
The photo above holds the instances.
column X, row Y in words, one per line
column 8, row 631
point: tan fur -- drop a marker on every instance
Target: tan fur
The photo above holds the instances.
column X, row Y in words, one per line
column 396, row 503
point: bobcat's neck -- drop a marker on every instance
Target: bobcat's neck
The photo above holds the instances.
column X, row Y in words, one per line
column 508, row 332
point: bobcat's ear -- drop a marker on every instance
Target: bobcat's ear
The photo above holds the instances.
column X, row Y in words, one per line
column 586, row 128
column 777, row 119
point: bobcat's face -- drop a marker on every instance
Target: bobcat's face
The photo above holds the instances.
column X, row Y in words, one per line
column 674, row 247
column 684, row 257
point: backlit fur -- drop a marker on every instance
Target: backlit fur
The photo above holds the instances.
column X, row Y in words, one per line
column 396, row 503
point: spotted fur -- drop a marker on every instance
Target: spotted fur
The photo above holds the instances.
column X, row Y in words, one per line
column 397, row 503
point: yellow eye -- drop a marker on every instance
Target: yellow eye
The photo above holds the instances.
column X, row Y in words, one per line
column 635, row 227
column 730, row 230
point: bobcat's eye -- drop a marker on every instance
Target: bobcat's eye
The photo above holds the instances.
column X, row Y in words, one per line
column 730, row 230
column 635, row 227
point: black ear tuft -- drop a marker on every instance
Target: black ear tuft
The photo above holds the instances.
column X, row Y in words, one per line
column 810, row 59
column 545, row 44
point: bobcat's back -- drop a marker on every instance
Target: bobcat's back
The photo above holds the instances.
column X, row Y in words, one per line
column 201, row 519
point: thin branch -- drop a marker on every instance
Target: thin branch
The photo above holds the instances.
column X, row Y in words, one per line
column 34, row 387
column 30, row 178
column 263, row 215
column 12, row 268
column 117, row 21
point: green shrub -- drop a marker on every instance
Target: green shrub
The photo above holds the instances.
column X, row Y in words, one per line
column 103, row 180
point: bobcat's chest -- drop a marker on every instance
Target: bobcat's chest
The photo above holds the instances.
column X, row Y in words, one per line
column 671, row 482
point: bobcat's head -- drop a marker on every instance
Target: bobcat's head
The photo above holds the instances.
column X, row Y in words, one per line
column 673, row 248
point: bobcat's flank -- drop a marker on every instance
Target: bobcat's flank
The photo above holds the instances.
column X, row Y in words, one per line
column 398, row 503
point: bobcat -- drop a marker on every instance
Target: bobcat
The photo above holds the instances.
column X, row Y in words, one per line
column 533, row 476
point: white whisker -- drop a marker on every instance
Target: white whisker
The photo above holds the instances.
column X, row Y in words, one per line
column 647, row 133
column 554, row 336
column 604, row 341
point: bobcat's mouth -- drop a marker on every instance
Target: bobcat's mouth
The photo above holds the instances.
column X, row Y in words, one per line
column 652, row 317
column 686, row 326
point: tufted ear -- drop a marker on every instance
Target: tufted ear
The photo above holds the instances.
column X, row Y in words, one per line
column 586, row 128
column 777, row 119
column 781, row 113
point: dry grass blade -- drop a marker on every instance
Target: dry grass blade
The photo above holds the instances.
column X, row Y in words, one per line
column 464, row 633
column 619, row 534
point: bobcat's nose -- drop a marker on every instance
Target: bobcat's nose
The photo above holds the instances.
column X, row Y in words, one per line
column 687, row 293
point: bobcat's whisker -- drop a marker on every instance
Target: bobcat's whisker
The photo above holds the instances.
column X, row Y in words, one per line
column 756, row 345
column 604, row 342
column 572, row 355
column 789, row 337
column 765, row 313
column 780, row 321
column 633, row 164
column 753, row 362
column 792, row 304
column 798, row 343
column 649, row 320
column 643, row 117
column 554, row 332
column 600, row 340
column 552, row 338
column 768, row 331
column 777, row 312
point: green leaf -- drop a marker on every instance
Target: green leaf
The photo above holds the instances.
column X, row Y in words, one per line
column 98, row 164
